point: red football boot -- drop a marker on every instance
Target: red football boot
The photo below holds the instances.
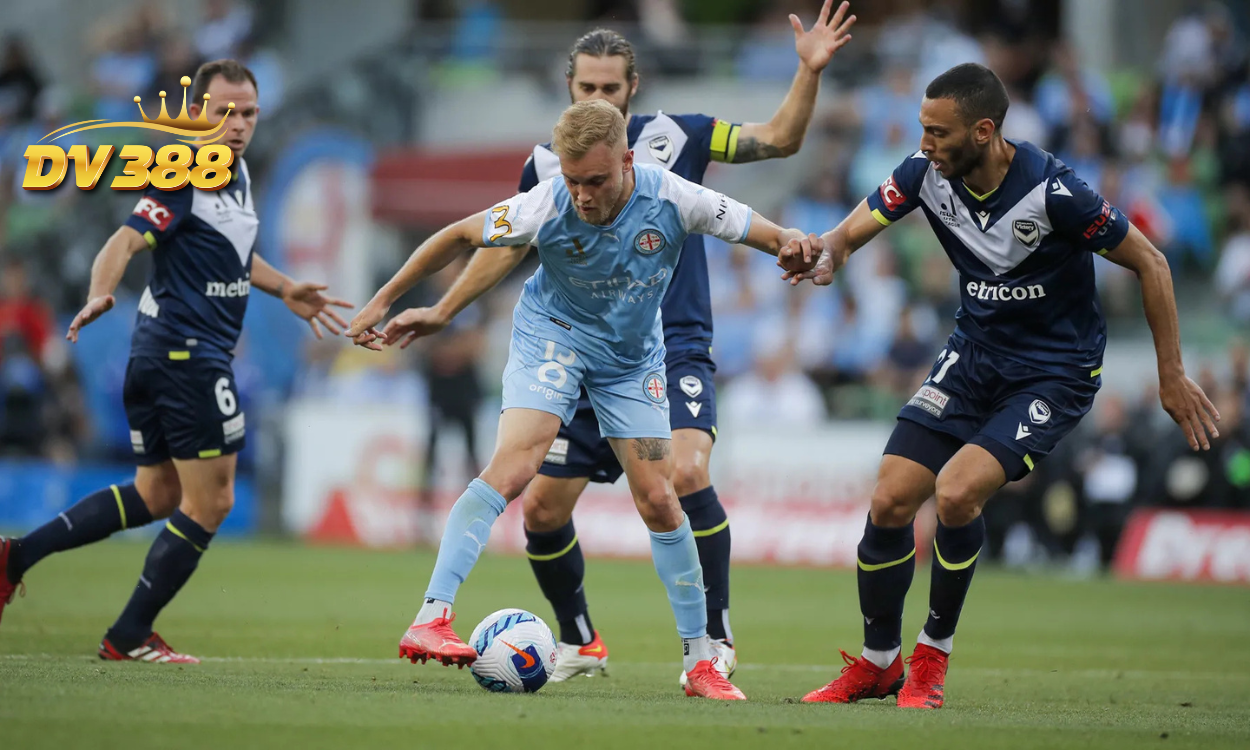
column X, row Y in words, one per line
column 153, row 651
column 7, row 590
column 926, row 680
column 706, row 681
column 436, row 640
column 860, row 679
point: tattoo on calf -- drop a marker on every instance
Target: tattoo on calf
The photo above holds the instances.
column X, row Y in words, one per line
column 752, row 149
column 651, row 449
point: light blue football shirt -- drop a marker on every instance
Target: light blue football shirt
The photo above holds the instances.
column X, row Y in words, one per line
column 604, row 284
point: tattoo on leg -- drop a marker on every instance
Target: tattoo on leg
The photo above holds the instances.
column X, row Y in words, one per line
column 752, row 149
column 651, row 449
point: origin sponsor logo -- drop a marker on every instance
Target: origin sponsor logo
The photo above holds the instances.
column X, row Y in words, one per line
column 1004, row 292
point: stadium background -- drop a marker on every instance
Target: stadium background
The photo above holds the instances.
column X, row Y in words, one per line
column 383, row 119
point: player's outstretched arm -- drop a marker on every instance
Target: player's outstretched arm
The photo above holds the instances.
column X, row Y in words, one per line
column 783, row 134
column 433, row 255
column 484, row 272
column 765, row 236
column 304, row 298
column 1182, row 398
column 834, row 246
column 106, row 273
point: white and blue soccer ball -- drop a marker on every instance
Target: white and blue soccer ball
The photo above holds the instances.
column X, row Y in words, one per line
column 516, row 652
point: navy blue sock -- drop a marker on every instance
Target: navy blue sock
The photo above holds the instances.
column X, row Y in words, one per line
column 557, row 560
column 91, row 519
column 887, row 562
column 711, row 535
column 956, row 549
column 171, row 561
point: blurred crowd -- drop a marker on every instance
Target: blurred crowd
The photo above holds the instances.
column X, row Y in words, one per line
column 1170, row 146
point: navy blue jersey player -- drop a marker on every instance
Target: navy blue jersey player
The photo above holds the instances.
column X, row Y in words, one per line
column 186, row 424
column 601, row 66
column 1016, row 376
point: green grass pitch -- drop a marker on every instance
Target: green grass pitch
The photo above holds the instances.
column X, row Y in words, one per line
column 301, row 647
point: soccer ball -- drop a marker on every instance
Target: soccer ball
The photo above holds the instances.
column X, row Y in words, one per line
column 516, row 652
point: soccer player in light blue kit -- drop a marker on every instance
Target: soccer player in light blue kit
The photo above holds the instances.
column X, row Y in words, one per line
column 609, row 233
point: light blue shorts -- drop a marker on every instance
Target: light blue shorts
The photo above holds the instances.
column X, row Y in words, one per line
column 545, row 372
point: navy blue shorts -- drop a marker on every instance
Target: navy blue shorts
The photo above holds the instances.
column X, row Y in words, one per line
column 1016, row 411
column 182, row 409
column 580, row 451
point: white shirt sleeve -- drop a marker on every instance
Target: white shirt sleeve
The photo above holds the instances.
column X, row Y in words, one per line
column 517, row 220
column 705, row 211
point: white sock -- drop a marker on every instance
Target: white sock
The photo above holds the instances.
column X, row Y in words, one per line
column 882, row 659
column 695, row 650
column 431, row 610
column 943, row 645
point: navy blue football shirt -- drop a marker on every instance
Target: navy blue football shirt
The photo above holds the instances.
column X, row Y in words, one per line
column 197, row 295
column 684, row 145
column 1024, row 254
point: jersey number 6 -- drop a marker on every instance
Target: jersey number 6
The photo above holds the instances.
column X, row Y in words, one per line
column 225, row 399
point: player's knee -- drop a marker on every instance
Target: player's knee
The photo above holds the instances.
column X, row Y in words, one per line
column 958, row 503
column 891, row 509
column 659, row 508
column 210, row 509
column 690, row 477
column 508, row 478
column 543, row 515
column 161, row 493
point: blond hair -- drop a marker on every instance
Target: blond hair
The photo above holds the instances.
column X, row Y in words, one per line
column 585, row 125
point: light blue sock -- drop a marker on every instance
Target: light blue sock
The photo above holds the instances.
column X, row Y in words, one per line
column 676, row 559
column 464, row 538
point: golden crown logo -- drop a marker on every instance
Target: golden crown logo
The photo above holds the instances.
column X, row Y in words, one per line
column 183, row 124
column 170, row 168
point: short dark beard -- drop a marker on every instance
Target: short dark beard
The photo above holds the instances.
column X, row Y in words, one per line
column 967, row 159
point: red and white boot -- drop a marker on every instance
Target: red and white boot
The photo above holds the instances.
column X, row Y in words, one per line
column 436, row 640
column 860, row 679
column 153, row 651
column 706, row 681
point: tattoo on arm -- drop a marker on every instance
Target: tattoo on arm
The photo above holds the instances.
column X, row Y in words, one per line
column 751, row 149
column 281, row 288
column 651, row 449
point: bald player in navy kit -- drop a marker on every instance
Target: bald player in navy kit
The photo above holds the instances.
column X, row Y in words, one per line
column 1016, row 376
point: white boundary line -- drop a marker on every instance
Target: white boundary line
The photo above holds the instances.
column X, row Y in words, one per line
column 984, row 671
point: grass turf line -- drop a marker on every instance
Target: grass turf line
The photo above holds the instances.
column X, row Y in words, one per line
column 302, row 646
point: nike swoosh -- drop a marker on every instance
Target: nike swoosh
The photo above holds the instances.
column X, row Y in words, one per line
column 529, row 660
column 596, row 650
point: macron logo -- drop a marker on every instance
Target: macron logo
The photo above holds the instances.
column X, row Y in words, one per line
column 240, row 288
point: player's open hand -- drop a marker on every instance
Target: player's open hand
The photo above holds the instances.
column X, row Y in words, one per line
column 95, row 307
column 363, row 329
column 306, row 300
column 412, row 324
column 816, row 47
column 1190, row 408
